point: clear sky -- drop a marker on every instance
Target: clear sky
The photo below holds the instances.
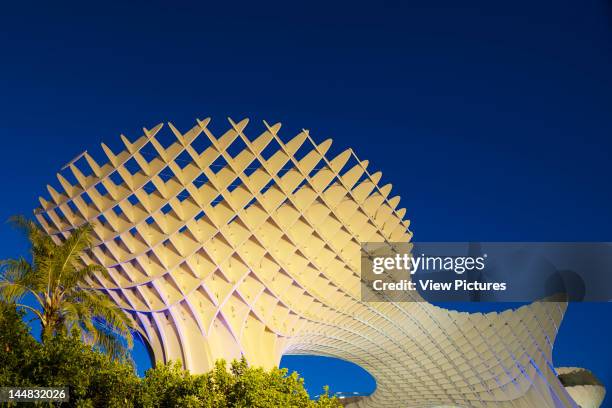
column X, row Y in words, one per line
column 493, row 120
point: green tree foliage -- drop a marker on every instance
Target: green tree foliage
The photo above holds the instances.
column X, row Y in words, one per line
column 55, row 279
column 97, row 380
column 240, row 386
column 94, row 378
column 17, row 347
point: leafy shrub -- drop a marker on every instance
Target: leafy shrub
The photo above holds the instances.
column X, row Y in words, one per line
column 97, row 380
column 240, row 387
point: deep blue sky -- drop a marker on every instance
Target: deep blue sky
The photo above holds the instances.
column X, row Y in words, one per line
column 493, row 120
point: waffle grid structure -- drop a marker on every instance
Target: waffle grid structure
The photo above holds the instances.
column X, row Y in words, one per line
column 228, row 246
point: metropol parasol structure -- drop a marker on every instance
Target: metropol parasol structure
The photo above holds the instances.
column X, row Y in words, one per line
column 227, row 245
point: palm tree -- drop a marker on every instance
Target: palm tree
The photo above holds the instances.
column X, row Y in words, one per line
column 55, row 278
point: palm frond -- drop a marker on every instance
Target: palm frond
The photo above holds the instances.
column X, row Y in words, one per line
column 108, row 341
column 11, row 292
column 17, row 277
column 42, row 244
column 14, row 269
column 21, row 271
column 102, row 307
column 42, row 249
column 36, row 312
column 12, row 274
column 97, row 334
column 79, row 274
column 73, row 313
column 68, row 254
